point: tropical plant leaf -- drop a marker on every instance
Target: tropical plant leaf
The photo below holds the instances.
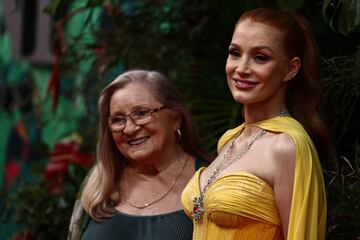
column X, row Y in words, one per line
column 52, row 7
column 341, row 88
column 95, row 3
column 343, row 16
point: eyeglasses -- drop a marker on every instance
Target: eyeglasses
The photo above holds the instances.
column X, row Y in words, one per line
column 139, row 116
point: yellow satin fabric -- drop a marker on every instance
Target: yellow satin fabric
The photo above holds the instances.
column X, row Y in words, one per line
column 242, row 206
column 238, row 206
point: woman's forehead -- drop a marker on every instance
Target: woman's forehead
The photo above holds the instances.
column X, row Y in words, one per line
column 133, row 94
column 254, row 35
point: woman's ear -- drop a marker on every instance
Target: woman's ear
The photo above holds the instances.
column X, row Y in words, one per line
column 177, row 120
column 294, row 67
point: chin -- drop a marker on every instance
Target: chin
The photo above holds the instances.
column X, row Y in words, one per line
column 238, row 98
column 138, row 157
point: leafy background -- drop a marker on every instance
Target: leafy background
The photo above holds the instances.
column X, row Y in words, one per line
column 48, row 113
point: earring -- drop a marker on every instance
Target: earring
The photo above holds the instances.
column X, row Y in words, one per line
column 178, row 133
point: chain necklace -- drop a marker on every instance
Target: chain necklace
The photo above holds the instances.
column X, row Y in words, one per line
column 224, row 162
column 162, row 196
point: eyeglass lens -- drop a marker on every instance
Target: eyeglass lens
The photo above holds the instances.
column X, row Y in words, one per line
column 139, row 116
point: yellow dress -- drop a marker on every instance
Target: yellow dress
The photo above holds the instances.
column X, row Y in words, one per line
column 240, row 205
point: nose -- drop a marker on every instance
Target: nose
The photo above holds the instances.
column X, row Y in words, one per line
column 130, row 126
column 242, row 67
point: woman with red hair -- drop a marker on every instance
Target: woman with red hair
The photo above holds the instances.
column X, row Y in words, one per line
column 267, row 181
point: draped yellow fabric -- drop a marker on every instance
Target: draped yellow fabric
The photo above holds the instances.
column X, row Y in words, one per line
column 238, row 206
column 242, row 206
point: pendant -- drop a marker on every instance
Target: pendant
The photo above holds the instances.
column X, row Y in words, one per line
column 198, row 209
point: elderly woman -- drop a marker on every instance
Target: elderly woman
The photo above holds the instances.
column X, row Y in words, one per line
column 146, row 154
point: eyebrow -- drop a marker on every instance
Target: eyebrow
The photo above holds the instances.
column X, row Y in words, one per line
column 117, row 113
column 257, row 48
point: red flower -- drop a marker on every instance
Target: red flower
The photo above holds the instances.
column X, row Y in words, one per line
column 109, row 8
column 62, row 155
column 12, row 170
column 26, row 235
column 54, row 176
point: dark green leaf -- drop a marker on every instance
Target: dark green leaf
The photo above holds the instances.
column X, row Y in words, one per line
column 343, row 16
column 52, row 7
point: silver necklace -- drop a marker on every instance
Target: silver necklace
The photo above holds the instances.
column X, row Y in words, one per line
column 224, row 162
column 162, row 196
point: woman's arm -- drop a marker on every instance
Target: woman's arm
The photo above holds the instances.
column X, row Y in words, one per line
column 284, row 156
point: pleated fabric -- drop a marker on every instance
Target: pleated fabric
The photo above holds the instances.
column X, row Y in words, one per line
column 237, row 206
column 240, row 205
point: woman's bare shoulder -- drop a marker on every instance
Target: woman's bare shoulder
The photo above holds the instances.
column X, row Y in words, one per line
column 283, row 148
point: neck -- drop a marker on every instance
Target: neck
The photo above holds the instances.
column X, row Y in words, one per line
column 267, row 108
column 253, row 115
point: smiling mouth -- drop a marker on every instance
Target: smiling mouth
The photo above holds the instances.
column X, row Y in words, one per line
column 242, row 83
column 245, row 82
column 137, row 141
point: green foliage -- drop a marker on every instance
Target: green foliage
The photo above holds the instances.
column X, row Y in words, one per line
column 52, row 7
column 37, row 210
column 344, row 198
column 341, row 92
column 343, row 16
column 341, row 96
column 214, row 110
column 148, row 34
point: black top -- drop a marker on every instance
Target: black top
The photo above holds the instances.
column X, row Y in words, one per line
column 122, row 226
column 174, row 226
